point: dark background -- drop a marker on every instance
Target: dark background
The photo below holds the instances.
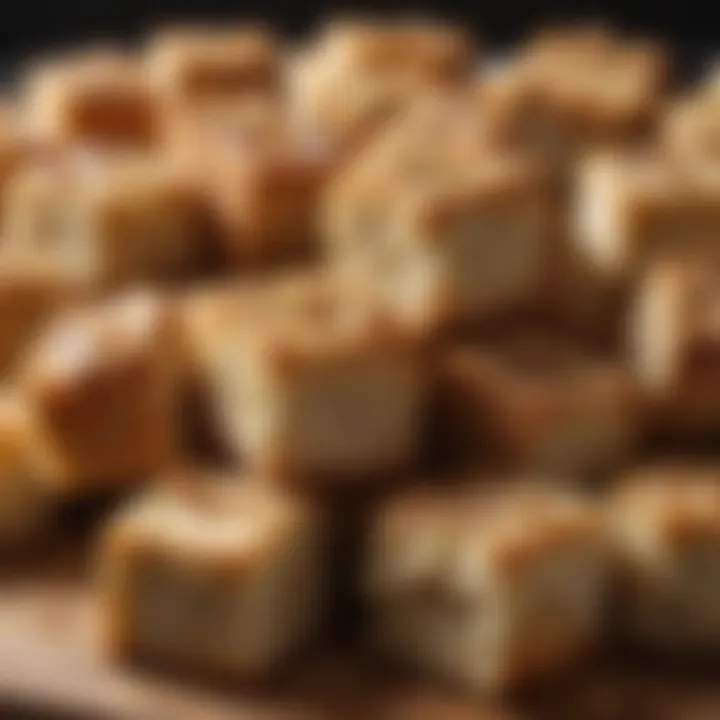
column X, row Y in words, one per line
column 29, row 25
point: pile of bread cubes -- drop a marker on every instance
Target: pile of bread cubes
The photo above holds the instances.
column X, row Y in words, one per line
column 244, row 280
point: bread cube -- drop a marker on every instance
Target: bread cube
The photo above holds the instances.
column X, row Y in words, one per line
column 309, row 386
column 207, row 134
column 632, row 210
column 266, row 202
column 674, row 341
column 423, row 46
column 440, row 249
column 262, row 175
column 101, row 386
column 191, row 65
column 589, row 86
column 23, row 503
column 220, row 576
column 199, row 310
column 31, row 293
column 489, row 587
column 357, row 74
column 535, row 405
column 442, row 133
column 665, row 523
column 17, row 145
column 116, row 219
column 98, row 96
column 690, row 128
column 572, row 90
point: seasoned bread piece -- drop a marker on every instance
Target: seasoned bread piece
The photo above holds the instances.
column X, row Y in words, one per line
column 101, row 385
column 535, row 405
column 32, row 291
column 117, row 219
column 309, row 384
column 18, row 145
column 489, row 587
column 357, row 74
column 189, row 66
column 441, row 244
column 266, row 200
column 589, row 86
column 674, row 342
column 690, row 128
column 24, row 505
column 665, row 523
column 630, row 210
column 98, row 96
column 201, row 137
column 218, row 575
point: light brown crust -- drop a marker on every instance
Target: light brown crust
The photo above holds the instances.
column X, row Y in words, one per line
column 99, row 96
column 679, row 500
column 596, row 81
column 510, row 522
column 188, row 65
column 101, row 384
column 501, row 403
column 266, row 203
column 436, row 51
column 94, row 213
column 686, row 319
column 218, row 529
column 304, row 316
column 31, row 292
column 24, row 506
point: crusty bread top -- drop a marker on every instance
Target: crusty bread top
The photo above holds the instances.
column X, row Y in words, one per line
column 185, row 62
column 506, row 523
column 123, row 329
column 367, row 45
column 101, row 69
column 674, row 501
column 226, row 519
column 294, row 316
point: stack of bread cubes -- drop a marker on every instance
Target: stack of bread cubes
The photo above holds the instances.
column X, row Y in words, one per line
column 253, row 278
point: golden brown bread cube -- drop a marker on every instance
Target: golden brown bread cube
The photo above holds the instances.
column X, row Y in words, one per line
column 23, row 503
column 412, row 44
column 308, row 385
column 266, row 202
column 217, row 128
column 489, row 587
column 32, row 292
column 101, row 385
column 117, row 219
column 631, row 210
column 445, row 132
column 439, row 248
column 535, row 405
column 589, row 86
column 690, row 125
column 218, row 575
column 189, row 66
column 18, row 146
column 665, row 525
column 200, row 308
column 357, row 74
column 674, row 344
column 98, row 96
column 262, row 176
column 571, row 90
